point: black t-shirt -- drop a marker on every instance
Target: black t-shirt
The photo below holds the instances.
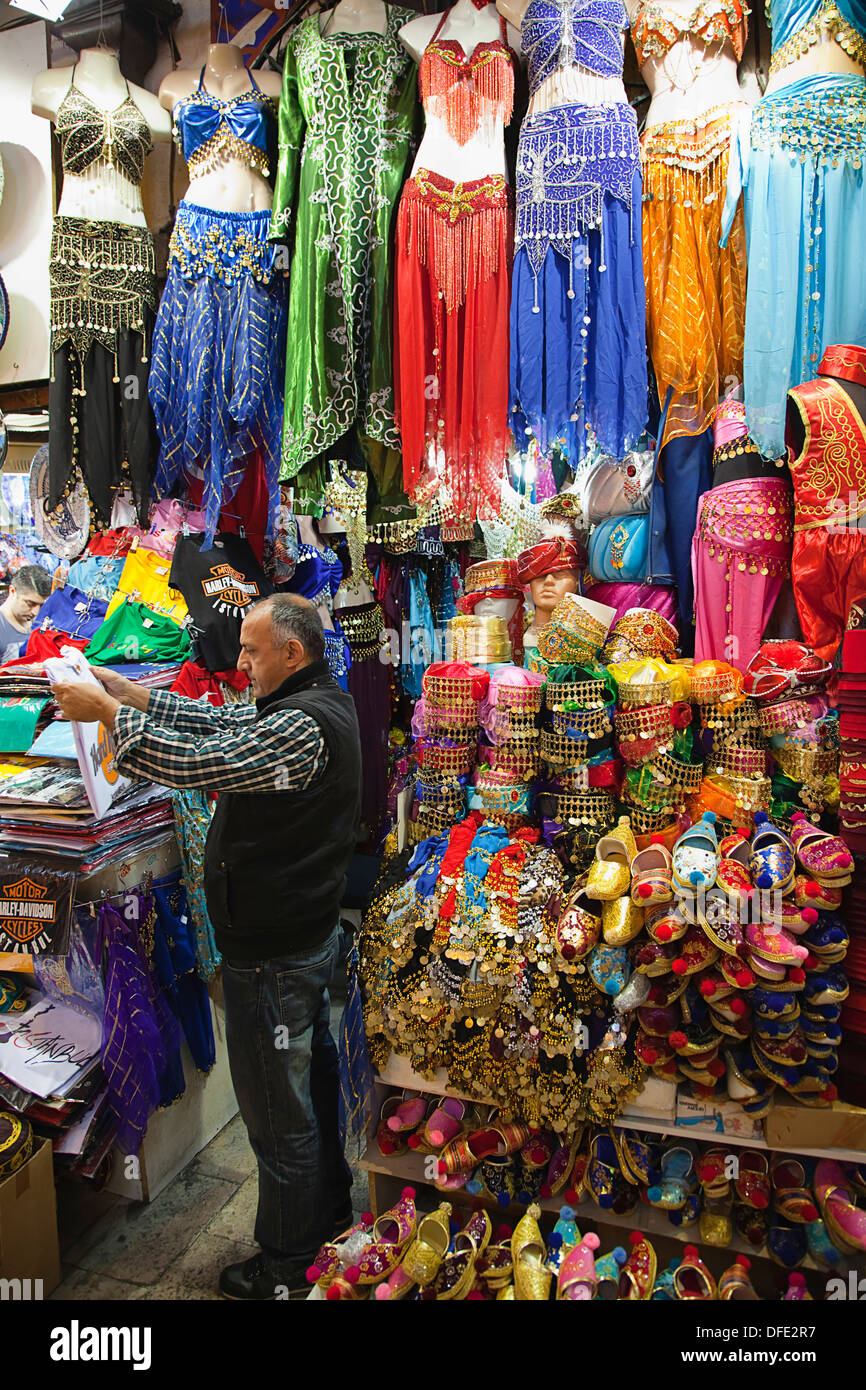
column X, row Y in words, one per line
column 219, row 586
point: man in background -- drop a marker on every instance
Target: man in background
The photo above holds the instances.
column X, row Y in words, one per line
column 28, row 590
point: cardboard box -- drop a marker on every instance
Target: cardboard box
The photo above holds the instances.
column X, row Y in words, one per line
column 707, row 1117
column 790, row 1125
column 29, row 1249
column 657, row 1101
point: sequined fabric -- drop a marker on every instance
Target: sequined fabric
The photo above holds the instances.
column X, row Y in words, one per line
column 658, row 27
column 450, row 328
column 557, row 33
column 804, row 190
column 218, row 359
column 346, row 115
column 208, row 130
column 695, row 290
column 89, row 135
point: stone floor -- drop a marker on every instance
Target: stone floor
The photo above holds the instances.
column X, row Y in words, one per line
column 173, row 1247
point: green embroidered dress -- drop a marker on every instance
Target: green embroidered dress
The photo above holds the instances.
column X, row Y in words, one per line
column 346, row 118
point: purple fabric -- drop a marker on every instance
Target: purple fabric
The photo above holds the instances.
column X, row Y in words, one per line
column 624, row 597
column 369, row 685
column 139, row 1031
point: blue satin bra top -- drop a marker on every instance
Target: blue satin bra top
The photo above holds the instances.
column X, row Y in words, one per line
column 207, row 129
column 558, row 33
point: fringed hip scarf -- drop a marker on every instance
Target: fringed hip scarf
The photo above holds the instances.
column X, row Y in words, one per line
column 102, row 275
column 455, row 230
column 451, row 335
column 741, row 553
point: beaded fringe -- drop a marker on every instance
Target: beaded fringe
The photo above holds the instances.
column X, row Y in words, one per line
column 462, row 94
column 691, row 172
column 460, row 250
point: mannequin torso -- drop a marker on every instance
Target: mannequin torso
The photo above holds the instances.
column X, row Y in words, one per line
column 233, row 185
column 825, row 59
column 574, row 84
column 483, row 154
column 694, row 75
column 97, row 77
column 355, row 17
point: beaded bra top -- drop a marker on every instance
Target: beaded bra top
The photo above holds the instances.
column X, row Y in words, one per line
column 462, row 89
column 558, row 33
column 658, row 27
column 206, row 128
column 89, row 135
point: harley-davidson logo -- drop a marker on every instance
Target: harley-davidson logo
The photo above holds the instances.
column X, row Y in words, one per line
column 24, row 911
column 228, row 586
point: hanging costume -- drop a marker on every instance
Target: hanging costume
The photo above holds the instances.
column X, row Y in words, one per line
column 695, row 292
column 453, row 265
column 804, row 191
column 345, row 119
column 828, row 568
column 103, row 300
column 741, row 552
column 578, row 351
column 219, row 341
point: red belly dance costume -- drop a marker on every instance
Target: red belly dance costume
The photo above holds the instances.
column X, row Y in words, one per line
column 828, row 568
column 454, row 246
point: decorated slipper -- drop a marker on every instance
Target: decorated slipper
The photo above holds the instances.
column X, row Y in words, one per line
column 821, row 897
column 387, row 1141
column 610, row 873
column 719, row 916
column 797, row 1292
column 392, row 1232
column 651, row 871
column 638, row 1275
column 792, row 1198
column 735, row 880
column 771, row 860
column 736, row 847
column 579, row 927
column 443, row 1125
column 609, row 968
column 786, row 1242
column 424, row 1256
column 845, row 1223
column 577, row 1278
column 531, row 1278
column 770, row 943
column 752, row 1183
column 696, row 855
column 607, row 1272
column 621, row 922
column 692, row 1279
column 408, row 1114
column 823, row 856
column 666, row 923
column 736, row 1282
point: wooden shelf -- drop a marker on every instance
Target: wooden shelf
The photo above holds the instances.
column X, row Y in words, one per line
column 409, row 1169
column 398, row 1074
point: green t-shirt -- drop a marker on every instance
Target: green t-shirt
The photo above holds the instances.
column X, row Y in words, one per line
column 136, row 633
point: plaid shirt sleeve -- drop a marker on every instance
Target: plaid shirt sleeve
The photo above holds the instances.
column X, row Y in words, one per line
column 184, row 746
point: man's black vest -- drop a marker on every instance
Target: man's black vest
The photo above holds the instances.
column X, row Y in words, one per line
column 275, row 863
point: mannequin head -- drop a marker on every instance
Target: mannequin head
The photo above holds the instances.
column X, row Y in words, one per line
column 547, row 590
column 503, row 608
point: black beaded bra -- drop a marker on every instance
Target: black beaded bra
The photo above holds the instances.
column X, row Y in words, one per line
column 89, row 135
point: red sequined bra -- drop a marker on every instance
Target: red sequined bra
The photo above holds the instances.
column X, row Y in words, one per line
column 461, row 90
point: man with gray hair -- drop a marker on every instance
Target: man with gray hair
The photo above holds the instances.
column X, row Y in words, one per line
column 288, row 770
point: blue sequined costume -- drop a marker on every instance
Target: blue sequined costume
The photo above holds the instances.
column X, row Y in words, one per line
column 578, row 354
column 218, row 355
column 801, row 169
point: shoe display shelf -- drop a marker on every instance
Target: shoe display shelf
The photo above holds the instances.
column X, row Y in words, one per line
column 389, row 1175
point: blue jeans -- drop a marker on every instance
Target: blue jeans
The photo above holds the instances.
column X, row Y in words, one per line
column 285, row 1072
